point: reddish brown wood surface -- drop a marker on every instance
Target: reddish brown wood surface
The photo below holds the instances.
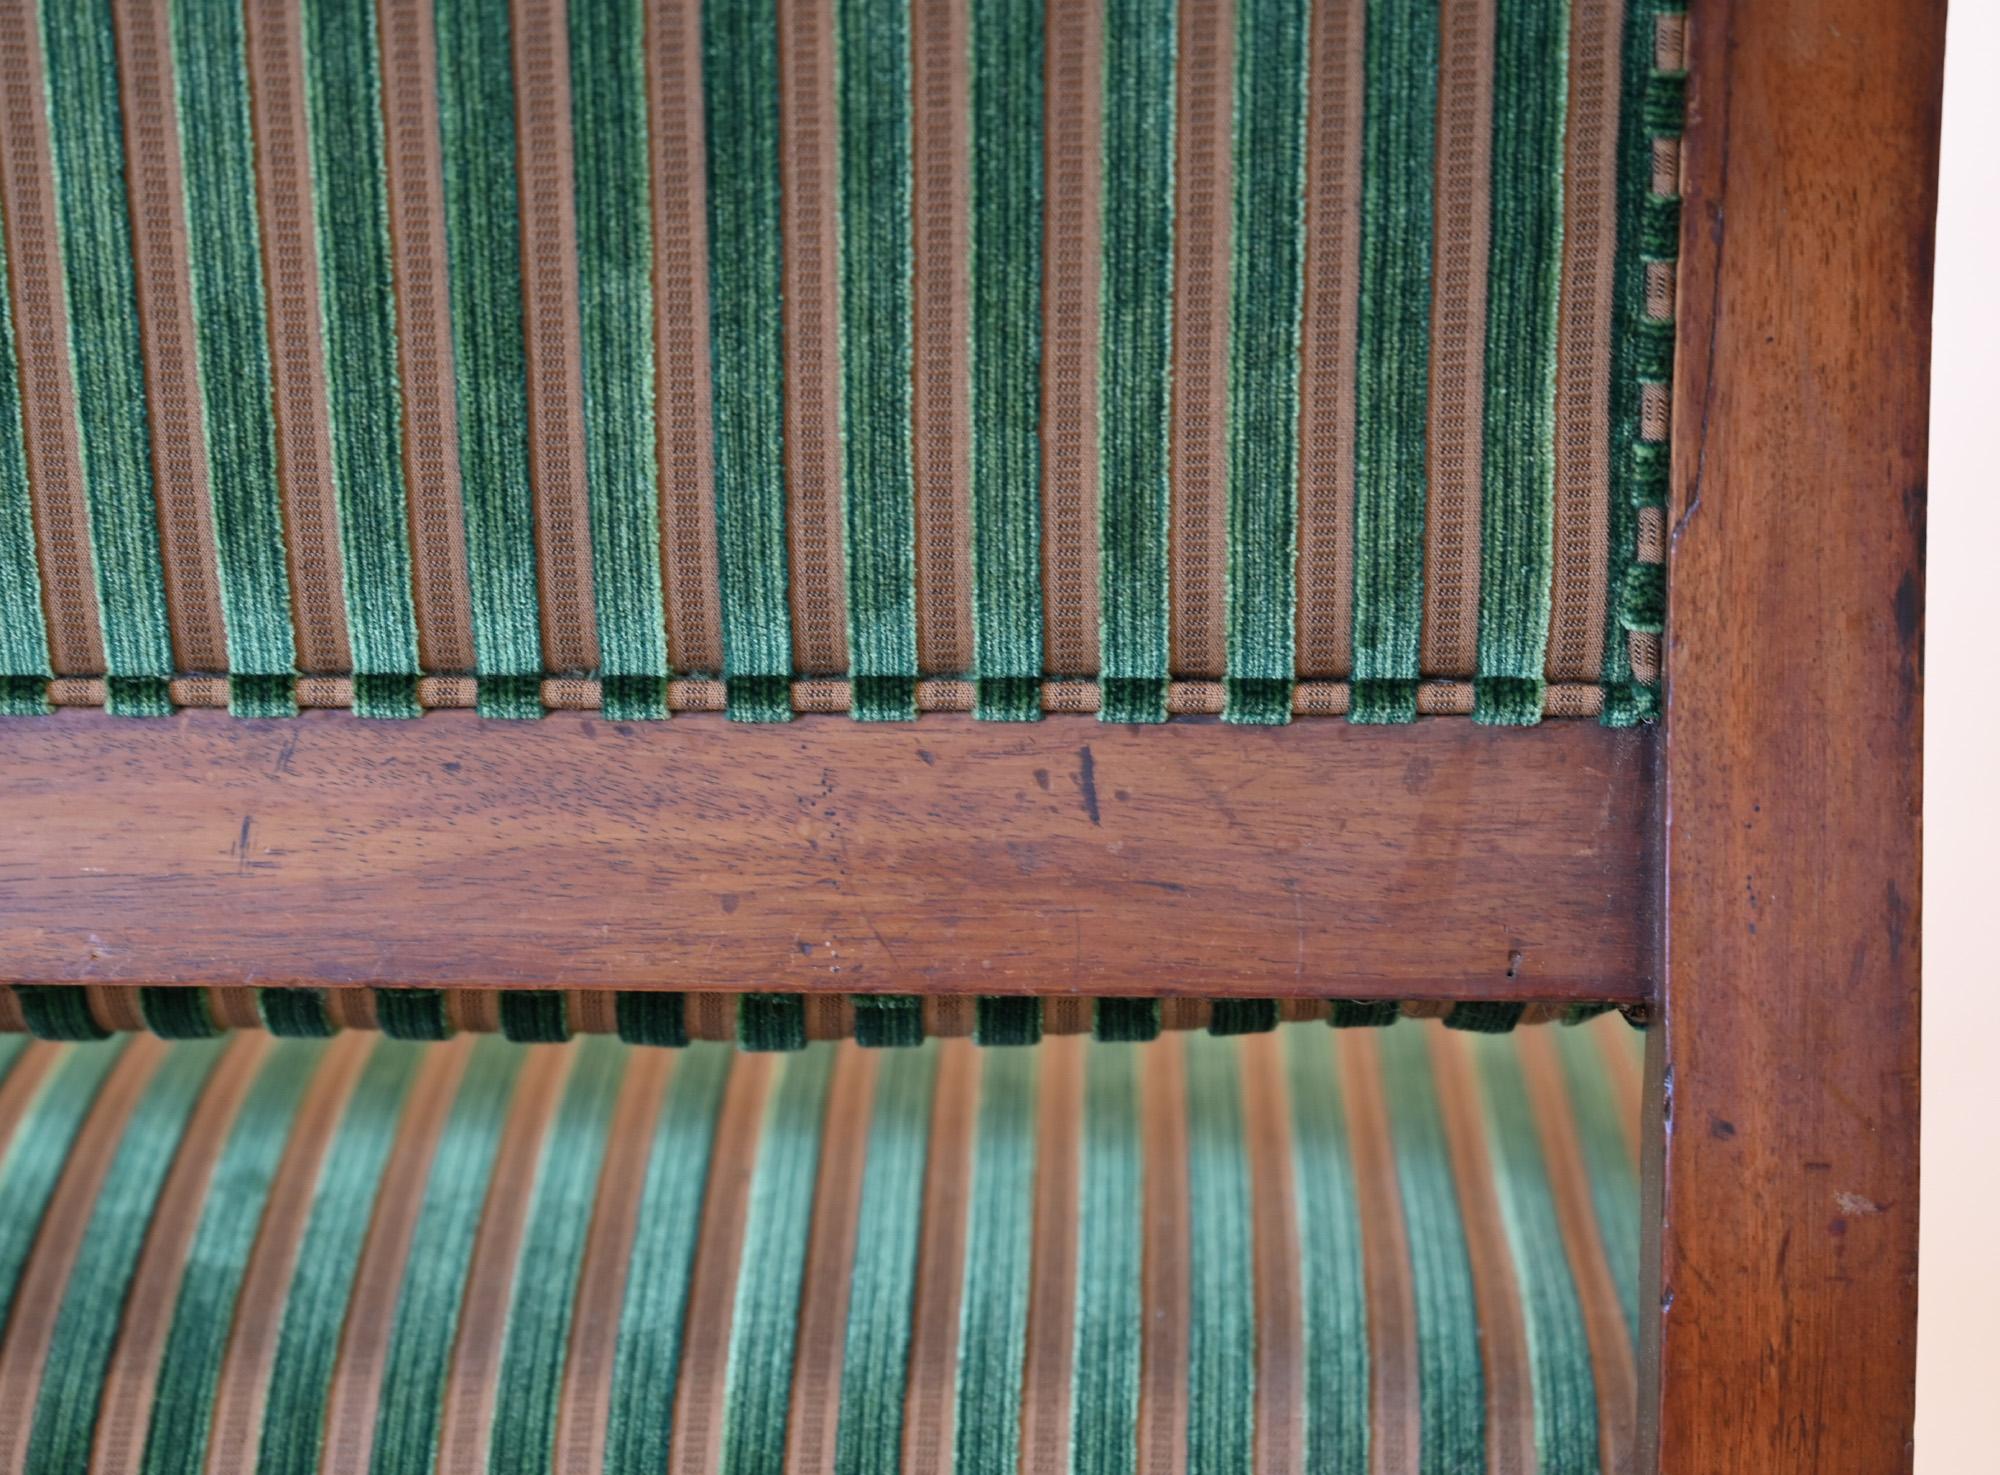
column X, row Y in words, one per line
column 1786, row 1081
column 1437, row 860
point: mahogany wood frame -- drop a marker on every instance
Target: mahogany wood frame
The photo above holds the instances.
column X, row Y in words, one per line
column 1765, row 907
column 1782, row 1224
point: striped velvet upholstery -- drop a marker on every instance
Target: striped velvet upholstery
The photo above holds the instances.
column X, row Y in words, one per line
column 1400, row 1250
column 1141, row 357
column 758, row 1022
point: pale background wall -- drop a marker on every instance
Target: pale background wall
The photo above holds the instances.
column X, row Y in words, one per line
column 1958, row 1338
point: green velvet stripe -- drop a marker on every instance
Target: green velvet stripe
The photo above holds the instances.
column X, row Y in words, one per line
column 888, row 1020
column 1332, row 1286
column 1222, row 1333
column 32, row 1159
column 529, row 1395
column 771, row 1022
column 226, row 274
column 80, row 64
column 1008, row 1020
column 746, row 341
column 11, row 1048
column 646, row 1374
column 1614, row 1179
column 428, row 1303
column 58, row 1011
column 533, row 1016
column 882, row 1291
column 93, row 1304
column 764, row 1329
column 1392, row 355
column 1242, row 1016
column 1485, row 1017
column 614, row 265
column 177, row 1013
column 999, row 1242
column 1523, row 296
column 295, row 1013
column 329, row 1251
column 1127, row 1020
column 1006, row 185
column 358, row 318
column 1135, row 385
column 1110, row 1253
column 482, row 238
column 647, row 1017
column 205, row 1306
column 873, row 76
column 24, row 644
column 412, row 1013
column 1558, row 1350
column 1363, row 1013
column 1266, row 296
column 1641, row 350
column 1450, row 1394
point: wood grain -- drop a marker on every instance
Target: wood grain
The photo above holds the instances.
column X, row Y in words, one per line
column 1431, row 861
column 1783, row 1223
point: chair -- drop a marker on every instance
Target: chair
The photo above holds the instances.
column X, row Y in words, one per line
column 907, row 735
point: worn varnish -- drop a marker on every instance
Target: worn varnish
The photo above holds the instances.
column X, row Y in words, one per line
column 1438, row 860
column 1783, row 1223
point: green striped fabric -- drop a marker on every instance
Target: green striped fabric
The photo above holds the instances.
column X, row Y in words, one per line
column 660, row 361
column 671, row 1333
column 760, row 1022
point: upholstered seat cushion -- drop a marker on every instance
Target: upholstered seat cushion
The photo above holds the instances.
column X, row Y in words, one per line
column 1393, row 1249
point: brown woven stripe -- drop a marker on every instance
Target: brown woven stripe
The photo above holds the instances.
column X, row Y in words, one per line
column 680, row 295
column 473, row 1009
column 12, row 1022
column 351, row 1008
column 1200, row 504
column 1393, row 1412
column 443, row 587
column 41, row 321
column 814, row 1416
column 298, row 368
column 1075, row 254
column 808, row 133
column 21, row 1085
column 126, row 1399
column 1611, row 1355
column 600, row 1292
column 466, row 1429
column 44, row 1279
column 948, row 1016
column 1503, row 1331
column 1458, row 338
column 550, row 310
column 1327, row 334
column 156, row 196
column 941, row 102
column 704, row 1372
column 1583, row 376
column 245, row 1377
column 1267, row 1138
column 355, row 1391
column 927, row 1400
column 234, row 1008
column 1045, row 1373
column 1163, row 1348
column 115, row 1007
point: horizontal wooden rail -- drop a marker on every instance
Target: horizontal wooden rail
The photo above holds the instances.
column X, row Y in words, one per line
column 1439, row 860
